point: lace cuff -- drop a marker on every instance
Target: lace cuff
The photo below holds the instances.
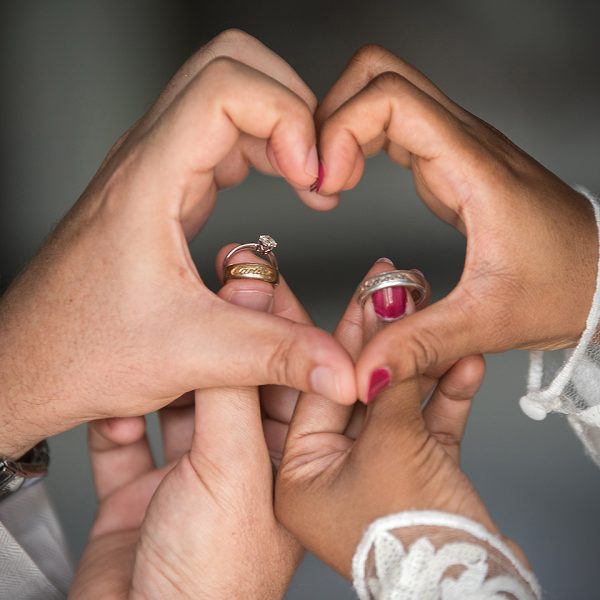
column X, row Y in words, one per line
column 569, row 382
column 426, row 555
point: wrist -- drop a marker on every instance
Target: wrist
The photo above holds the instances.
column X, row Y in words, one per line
column 19, row 429
column 14, row 441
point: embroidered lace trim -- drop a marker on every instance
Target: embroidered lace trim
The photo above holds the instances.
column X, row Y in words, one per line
column 426, row 555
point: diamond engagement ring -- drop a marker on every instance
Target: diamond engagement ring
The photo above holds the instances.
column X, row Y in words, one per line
column 254, row 270
column 412, row 280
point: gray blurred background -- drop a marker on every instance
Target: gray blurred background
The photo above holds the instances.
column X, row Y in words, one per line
column 76, row 74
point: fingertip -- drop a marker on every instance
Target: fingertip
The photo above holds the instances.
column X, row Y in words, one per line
column 334, row 378
column 468, row 374
column 318, row 201
column 340, row 159
column 120, row 431
column 294, row 159
column 383, row 352
column 357, row 171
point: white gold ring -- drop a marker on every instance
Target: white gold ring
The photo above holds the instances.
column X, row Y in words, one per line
column 412, row 280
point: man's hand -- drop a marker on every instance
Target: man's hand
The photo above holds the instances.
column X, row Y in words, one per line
column 111, row 317
column 203, row 526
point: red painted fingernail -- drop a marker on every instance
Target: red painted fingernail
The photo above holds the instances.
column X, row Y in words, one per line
column 380, row 379
column 316, row 186
column 390, row 303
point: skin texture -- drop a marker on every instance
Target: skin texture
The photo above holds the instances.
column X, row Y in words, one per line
column 76, row 342
column 143, row 544
column 111, row 317
column 203, row 525
column 525, row 228
column 342, row 468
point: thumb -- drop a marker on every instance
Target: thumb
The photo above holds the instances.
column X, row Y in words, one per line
column 420, row 343
column 238, row 346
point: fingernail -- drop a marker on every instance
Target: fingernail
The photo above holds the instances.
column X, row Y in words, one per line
column 380, row 379
column 254, row 299
column 390, row 303
column 316, row 186
column 386, row 260
column 312, row 162
column 323, row 381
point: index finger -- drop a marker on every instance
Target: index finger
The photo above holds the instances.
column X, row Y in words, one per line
column 231, row 43
column 366, row 64
column 391, row 108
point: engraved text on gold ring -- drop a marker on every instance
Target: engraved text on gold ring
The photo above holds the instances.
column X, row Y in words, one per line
column 260, row 271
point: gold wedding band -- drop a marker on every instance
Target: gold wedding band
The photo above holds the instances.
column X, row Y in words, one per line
column 252, row 271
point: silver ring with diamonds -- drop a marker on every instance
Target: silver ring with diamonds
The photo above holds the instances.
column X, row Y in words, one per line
column 263, row 249
column 412, row 280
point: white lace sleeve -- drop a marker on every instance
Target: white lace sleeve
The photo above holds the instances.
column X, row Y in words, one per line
column 426, row 555
column 569, row 382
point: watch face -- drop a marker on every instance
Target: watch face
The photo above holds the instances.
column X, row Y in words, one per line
column 29, row 469
column 10, row 483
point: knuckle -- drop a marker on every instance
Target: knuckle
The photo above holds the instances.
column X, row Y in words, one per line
column 231, row 37
column 223, row 45
column 374, row 59
column 425, row 350
column 221, row 66
column 390, row 82
column 216, row 77
column 279, row 362
column 370, row 55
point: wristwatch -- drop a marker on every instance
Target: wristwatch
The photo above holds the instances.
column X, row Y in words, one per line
column 27, row 470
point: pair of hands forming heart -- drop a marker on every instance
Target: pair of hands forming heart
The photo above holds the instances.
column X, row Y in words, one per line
column 111, row 318
column 206, row 525
column 117, row 322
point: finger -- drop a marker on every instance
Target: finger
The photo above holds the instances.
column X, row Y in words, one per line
column 423, row 343
column 369, row 62
column 177, row 427
column 119, row 453
column 276, row 434
column 460, row 379
column 228, row 429
column 254, row 348
column 380, row 310
column 284, row 302
column 447, row 411
column 253, row 153
column 226, row 99
column 390, row 104
column 244, row 48
column 277, row 402
column 386, row 306
column 315, row 414
column 233, row 44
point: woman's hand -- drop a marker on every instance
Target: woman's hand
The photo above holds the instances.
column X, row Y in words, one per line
column 530, row 267
column 342, row 469
column 111, row 318
column 209, row 529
